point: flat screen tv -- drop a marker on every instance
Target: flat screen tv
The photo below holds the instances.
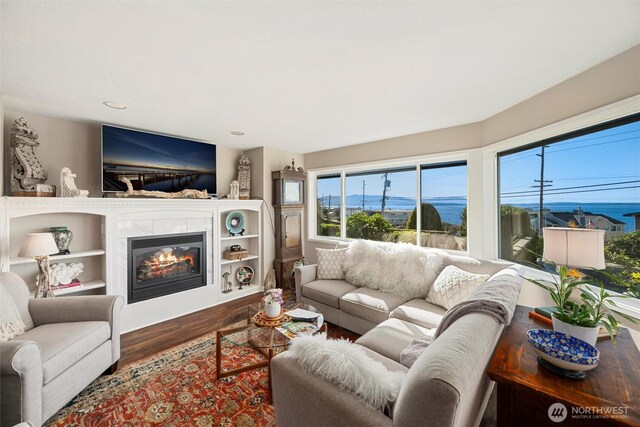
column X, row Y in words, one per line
column 156, row 162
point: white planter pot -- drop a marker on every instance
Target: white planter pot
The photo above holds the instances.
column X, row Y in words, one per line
column 272, row 310
column 588, row 335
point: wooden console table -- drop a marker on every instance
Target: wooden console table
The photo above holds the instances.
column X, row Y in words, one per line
column 610, row 395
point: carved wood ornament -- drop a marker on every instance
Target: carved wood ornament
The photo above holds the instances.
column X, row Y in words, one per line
column 28, row 176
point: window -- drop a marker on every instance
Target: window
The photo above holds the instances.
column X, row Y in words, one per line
column 379, row 203
column 382, row 204
column 587, row 179
column 329, row 211
column 443, row 208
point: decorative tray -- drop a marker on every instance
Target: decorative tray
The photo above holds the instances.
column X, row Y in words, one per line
column 260, row 319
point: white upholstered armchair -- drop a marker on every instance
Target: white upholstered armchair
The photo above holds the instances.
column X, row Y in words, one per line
column 68, row 342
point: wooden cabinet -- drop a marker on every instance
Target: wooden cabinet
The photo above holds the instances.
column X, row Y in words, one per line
column 288, row 204
column 528, row 394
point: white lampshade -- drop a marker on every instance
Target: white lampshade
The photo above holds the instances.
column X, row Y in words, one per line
column 574, row 247
column 38, row 244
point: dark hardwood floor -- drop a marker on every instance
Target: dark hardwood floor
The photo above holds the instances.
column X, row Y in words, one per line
column 161, row 336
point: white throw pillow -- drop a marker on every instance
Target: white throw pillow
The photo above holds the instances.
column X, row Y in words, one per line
column 453, row 285
column 330, row 264
column 347, row 365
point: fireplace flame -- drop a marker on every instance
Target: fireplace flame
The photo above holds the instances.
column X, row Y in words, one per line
column 166, row 264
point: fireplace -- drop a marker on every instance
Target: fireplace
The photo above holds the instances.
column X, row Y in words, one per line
column 163, row 265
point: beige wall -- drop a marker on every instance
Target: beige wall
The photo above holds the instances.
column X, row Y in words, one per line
column 612, row 80
column 76, row 145
column 3, row 150
column 436, row 141
column 64, row 143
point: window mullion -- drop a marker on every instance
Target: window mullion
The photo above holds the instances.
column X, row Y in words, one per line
column 343, row 205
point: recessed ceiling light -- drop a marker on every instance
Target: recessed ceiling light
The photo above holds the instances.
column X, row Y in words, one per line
column 237, row 132
column 116, row 105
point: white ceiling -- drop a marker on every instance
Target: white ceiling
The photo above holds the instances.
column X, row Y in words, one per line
column 299, row 76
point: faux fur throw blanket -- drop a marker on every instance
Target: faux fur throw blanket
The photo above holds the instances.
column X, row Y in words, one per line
column 410, row 354
column 396, row 268
column 496, row 298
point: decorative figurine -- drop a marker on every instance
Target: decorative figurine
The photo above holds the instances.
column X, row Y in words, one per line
column 27, row 173
column 234, row 190
column 227, row 286
column 63, row 274
column 244, row 176
column 68, row 185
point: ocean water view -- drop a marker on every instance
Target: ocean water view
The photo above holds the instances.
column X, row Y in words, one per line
column 451, row 209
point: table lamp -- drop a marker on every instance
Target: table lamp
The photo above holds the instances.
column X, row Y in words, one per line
column 574, row 247
column 40, row 246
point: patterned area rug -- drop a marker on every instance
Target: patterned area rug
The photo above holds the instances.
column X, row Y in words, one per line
column 178, row 387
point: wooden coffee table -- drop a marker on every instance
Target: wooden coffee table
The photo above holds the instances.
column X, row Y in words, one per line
column 239, row 329
column 610, row 394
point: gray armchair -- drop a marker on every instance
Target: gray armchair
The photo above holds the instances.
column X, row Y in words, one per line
column 68, row 342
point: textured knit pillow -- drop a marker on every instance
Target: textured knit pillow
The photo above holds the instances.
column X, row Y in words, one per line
column 348, row 366
column 330, row 264
column 453, row 285
column 11, row 324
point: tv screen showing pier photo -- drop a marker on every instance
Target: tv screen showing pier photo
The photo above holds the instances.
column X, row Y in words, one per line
column 156, row 162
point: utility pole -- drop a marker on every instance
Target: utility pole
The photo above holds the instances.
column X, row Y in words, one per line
column 387, row 184
column 542, row 183
column 363, row 185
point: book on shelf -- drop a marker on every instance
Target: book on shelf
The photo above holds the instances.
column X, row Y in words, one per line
column 74, row 283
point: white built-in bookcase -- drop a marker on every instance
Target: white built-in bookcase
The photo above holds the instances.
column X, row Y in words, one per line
column 101, row 227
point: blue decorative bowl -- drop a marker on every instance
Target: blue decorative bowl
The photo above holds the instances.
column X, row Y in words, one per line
column 563, row 351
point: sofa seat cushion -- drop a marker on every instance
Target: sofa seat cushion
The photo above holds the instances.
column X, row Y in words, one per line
column 392, row 336
column 327, row 291
column 370, row 304
column 419, row 312
column 64, row 344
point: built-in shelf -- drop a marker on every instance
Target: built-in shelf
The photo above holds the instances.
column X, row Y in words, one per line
column 247, row 236
column 85, row 286
column 76, row 254
column 233, row 261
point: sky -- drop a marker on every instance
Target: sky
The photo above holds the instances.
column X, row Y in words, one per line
column 605, row 164
column 607, row 157
column 134, row 147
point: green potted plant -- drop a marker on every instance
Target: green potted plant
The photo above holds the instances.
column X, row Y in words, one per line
column 581, row 318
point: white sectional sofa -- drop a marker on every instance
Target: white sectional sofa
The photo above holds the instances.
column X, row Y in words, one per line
column 446, row 386
column 360, row 308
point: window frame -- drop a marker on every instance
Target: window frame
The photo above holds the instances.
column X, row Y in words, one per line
column 407, row 163
column 490, row 179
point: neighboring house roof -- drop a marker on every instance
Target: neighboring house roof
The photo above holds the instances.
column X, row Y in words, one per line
column 613, row 220
column 632, row 214
column 567, row 217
